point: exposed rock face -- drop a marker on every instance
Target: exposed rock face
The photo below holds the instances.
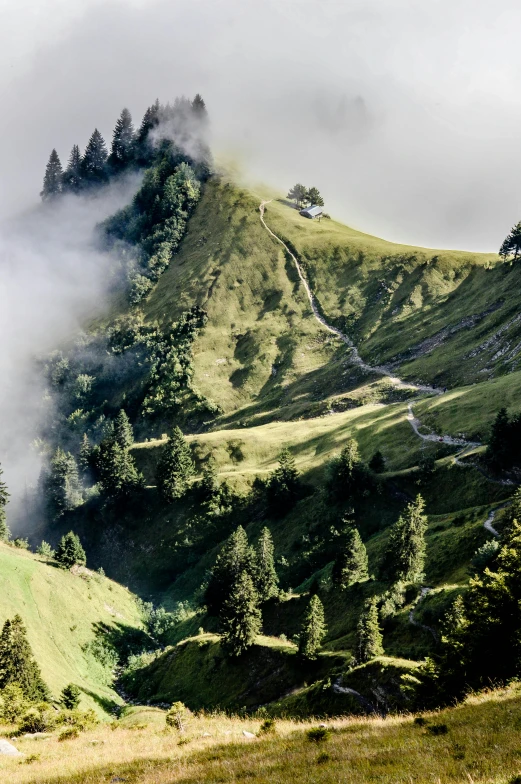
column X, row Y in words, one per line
column 8, row 749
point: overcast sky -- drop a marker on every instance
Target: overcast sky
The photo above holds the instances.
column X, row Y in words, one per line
column 405, row 114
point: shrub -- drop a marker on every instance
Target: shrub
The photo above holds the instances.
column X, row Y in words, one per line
column 13, row 703
column 69, row 734
column 177, row 716
column 40, row 718
column 45, row 549
column 267, row 727
column 437, row 729
column 318, row 734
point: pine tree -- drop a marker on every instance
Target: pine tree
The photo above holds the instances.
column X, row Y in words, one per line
column 5, row 533
column 240, row 616
column 52, row 181
column 298, row 193
column 116, row 468
column 512, row 243
column 17, row 663
column 284, row 485
column 314, row 197
column 351, row 564
column 377, row 463
column 266, row 579
column 123, row 148
column 144, row 147
column 235, row 558
column 70, row 696
column 123, row 432
column 405, row 554
column 72, row 177
column 175, row 467
column 61, row 484
column 70, row 551
column 369, row 633
column 85, row 455
column 499, row 452
column 94, row 161
column 313, row 630
column 347, row 476
column 199, row 107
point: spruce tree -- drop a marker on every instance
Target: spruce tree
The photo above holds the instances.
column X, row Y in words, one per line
column 369, row 633
column 70, row 696
column 52, row 181
column 235, row 558
column 94, row 161
column 313, row 630
column 17, row 663
column 4, row 497
column 284, row 485
column 175, row 468
column 144, row 147
column 347, row 475
column 116, row 468
column 122, row 152
column 405, row 554
column 70, row 551
column 266, row 579
column 85, row 455
column 240, row 616
column 377, row 463
column 351, row 564
column 499, row 452
column 61, row 484
column 123, row 432
column 72, row 177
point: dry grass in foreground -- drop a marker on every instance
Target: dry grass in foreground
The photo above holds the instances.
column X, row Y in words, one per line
column 475, row 742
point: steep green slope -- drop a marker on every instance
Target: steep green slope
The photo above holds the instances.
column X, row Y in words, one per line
column 448, row 317
column 65, row 614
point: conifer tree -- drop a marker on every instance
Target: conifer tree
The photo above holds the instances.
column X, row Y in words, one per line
column 499, row 453
column 240, row 616
column 512, row 243
column 70, row 551
column 4, row 497
column 405, row 554
column 266, row 579
column 175, row 468
column 122, row 152
column 369, row 633
column 70, row 696
column 347, row 475
column 377, row 462
column 116, row 468
column 94, row 161
column 72, row 177
column 313, row 630
column 61, row 484
column 144, row 147
column 17, row 663
column 123, row 432
column 235, row 558
column 284, row 485
column 298, row 193
column 351, row 564
column 52, row 181
column 85, row 455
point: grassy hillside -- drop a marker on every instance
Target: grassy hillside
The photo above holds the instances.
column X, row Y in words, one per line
column 65, row 613
column 477, row 741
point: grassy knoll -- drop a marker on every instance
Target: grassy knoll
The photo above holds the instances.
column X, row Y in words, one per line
column 478, row 741
column 64, row 613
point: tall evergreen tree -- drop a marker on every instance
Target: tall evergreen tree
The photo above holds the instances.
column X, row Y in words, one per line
column 70, row 551
column 72, row 177
column 4, row 497
column 313, row 630
column 175, row 468
column 499, row 452
column 511, row 245
column 351, row 564
column 284, row 486
column 94, row 161
column 85, row 455
column 123, row 432
column 347, row 475
column 144, row 147
column 123, row 147
column 116, row 468
column 377, row 462
column 266, row 579
column 235, row 558
column 52, row 181
column 369, row 633
column 405, row 554
column 61, row 484
column 240, row 616
column 17, row 663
